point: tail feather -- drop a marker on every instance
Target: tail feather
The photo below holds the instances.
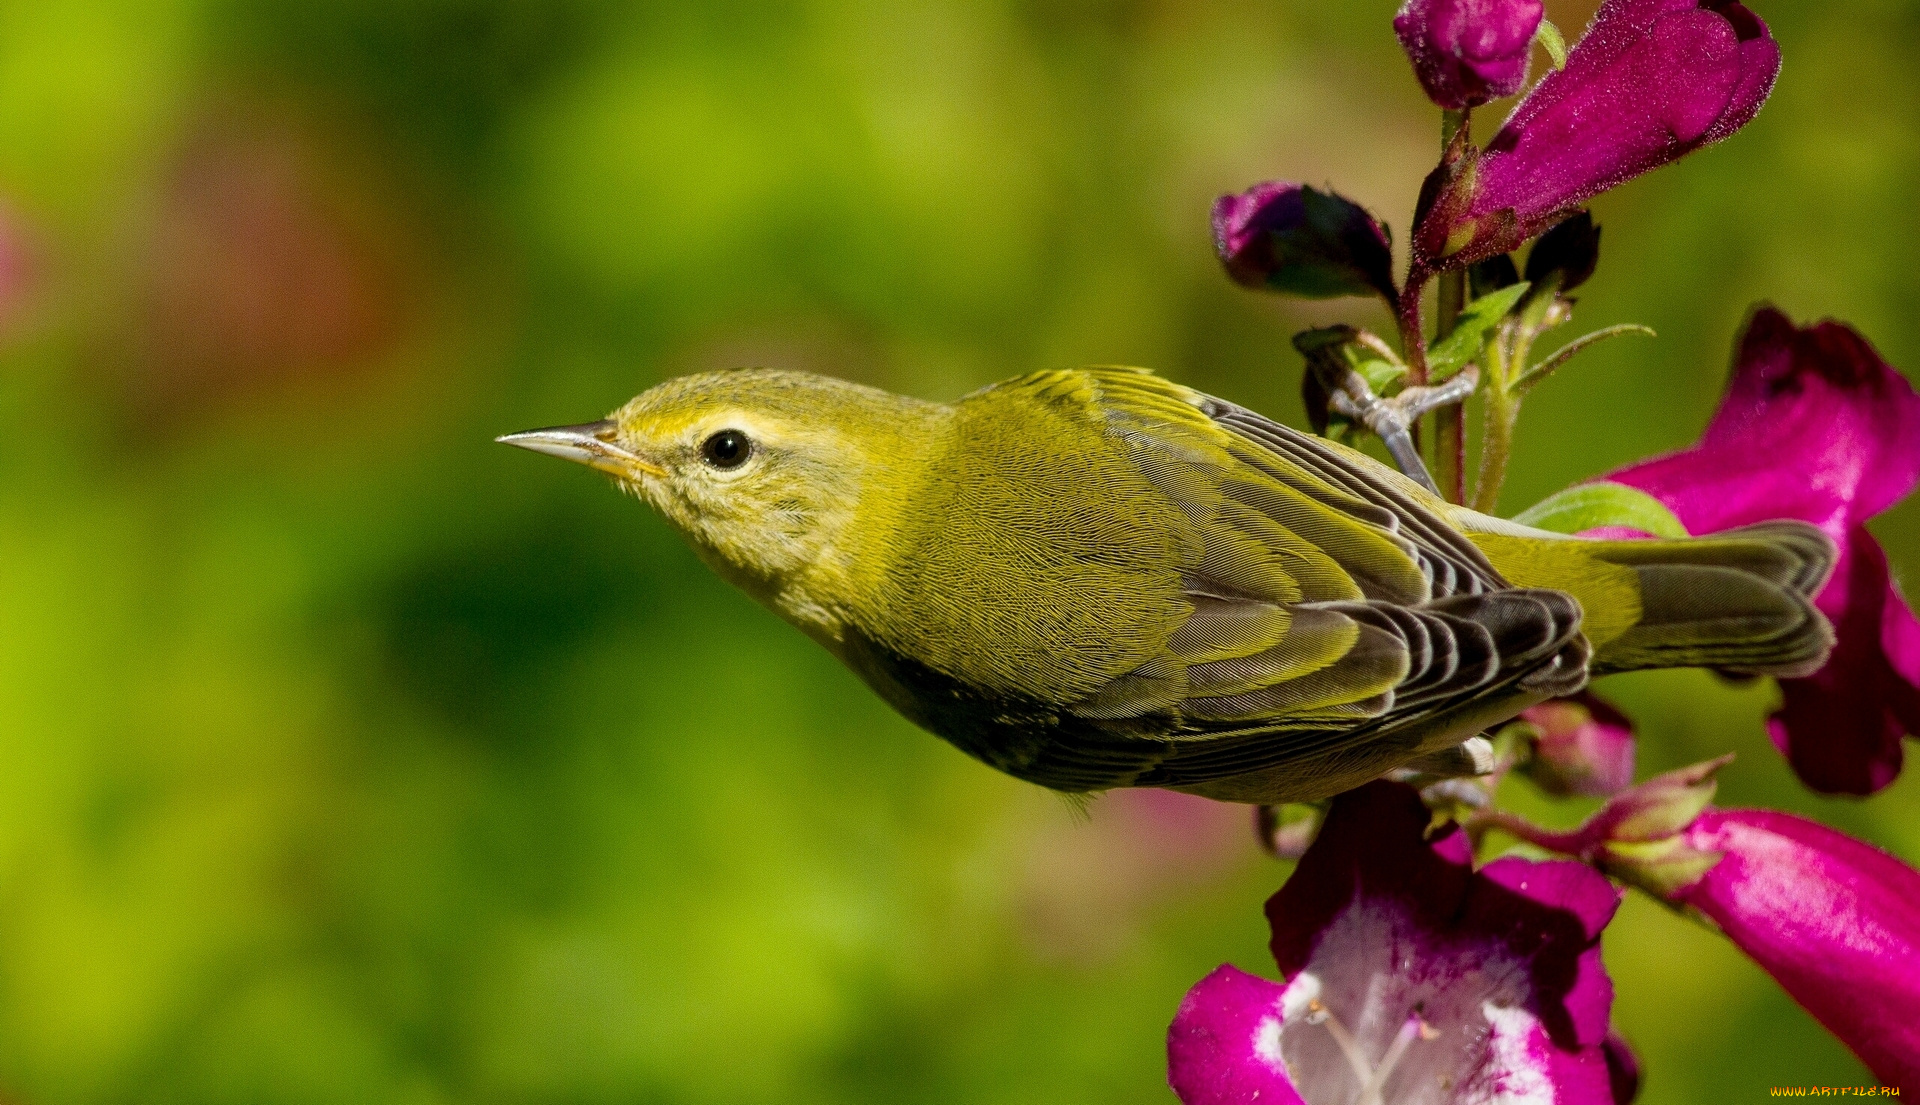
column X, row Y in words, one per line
column 1739, row 601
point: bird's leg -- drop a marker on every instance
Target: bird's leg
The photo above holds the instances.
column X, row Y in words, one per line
column 1392, row 419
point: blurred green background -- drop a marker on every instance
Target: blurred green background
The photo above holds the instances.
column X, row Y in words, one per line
column 346, row 756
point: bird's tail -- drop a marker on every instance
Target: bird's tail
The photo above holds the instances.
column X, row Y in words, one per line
column 1738, row 601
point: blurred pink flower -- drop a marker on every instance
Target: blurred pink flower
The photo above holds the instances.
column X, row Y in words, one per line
column 271, row 258
column 17, row 269
column 1815, row 426
column 1089, row 884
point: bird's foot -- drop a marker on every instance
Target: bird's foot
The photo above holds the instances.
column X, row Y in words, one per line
column 1392, row 420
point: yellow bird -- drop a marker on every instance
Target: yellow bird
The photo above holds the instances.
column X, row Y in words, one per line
column 1095, row 578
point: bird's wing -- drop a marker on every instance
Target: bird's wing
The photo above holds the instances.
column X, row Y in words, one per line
column 1331, row 600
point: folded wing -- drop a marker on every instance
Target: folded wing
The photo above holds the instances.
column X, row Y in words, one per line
column 1339, row 624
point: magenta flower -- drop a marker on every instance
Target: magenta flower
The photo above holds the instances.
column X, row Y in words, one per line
column 1651, row 81
column 1585, row 746
column 1466, row 52
column 1290, row 238
column 1409, row 976
column 1833, row 920
column 1814, row 425
column 1836, row 922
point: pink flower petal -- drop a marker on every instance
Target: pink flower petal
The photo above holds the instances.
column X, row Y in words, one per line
column 1650, row 82
column 1816, row 426
column 1224, row 1045
column 1836, row 922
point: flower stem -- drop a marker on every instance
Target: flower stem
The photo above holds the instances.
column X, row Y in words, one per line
column 1574, row 843
column 1503, row 412
column 1509, row 350
column 1450, row 437
column 1413, row 341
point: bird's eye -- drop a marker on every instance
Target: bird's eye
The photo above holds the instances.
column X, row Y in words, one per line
column 727, row 449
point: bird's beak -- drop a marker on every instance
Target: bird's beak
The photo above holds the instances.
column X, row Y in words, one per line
column 590, row 443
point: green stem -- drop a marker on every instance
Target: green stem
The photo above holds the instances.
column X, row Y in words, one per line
column 1450, row 436
column 1451, row 298
column 1573, row 843
column 1503, row 413
column 1413, row 341
column 1566, row 352
column 1450, row 430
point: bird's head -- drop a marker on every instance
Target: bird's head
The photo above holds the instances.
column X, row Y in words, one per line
column 762, row 470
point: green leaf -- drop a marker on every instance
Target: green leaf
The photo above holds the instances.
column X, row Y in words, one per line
column 1382, row 375
column 1587, row 506
column 1470, row 331
column 1566, row 352
column 1549, row 37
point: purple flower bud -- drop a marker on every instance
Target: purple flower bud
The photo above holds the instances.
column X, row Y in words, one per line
column 1585, row 746
column 1816, row 426
column 1570, row 251
column 1833, row 920
column 1492, row 274
column 1651, row 81
column 1466, row 52
column 1638, row 837
column 1410, row 974
column 1290, row 238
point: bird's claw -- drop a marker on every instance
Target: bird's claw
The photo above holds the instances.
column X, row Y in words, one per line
column 1392, row 419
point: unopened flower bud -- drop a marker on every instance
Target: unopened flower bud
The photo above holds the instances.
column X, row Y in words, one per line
column 1582, row 745
column 1467, row 52
column 1569, row 251
column 1492, row 274
column 1290, row 238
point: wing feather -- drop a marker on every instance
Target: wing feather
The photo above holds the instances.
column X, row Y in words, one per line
column 1454, row 563
column 1317, row 639
column 1221, row 629
column 1336, row 617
